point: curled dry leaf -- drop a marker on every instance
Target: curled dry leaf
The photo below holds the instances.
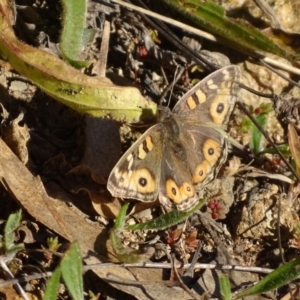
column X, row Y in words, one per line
column 234, row 165
column 16, row 137
column 28, row 231
column 105, row 205
column 256, row 173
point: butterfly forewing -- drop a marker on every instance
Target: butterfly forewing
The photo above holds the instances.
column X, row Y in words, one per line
column 211, row 101
column 135, row 175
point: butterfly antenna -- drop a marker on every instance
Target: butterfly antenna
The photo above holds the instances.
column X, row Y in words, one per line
column 176, row 78
column 177, row 75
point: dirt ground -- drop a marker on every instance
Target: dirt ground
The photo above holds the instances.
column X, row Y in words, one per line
column 57, row 161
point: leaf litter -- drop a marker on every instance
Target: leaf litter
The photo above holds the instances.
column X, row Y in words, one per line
column 60, row 182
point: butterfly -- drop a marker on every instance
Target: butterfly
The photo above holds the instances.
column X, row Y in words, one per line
column 178, row 156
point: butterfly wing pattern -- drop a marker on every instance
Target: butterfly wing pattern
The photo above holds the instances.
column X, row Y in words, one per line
column 176, row 157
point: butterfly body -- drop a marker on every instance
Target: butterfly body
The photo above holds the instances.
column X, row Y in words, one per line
column 176, row 157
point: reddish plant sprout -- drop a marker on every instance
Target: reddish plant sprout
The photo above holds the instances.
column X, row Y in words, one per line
column 276, row 161
column 274, row 165
column 191, row 241
column 142, row 51
column 258, row 111
column 216, row 209
column 173, row 236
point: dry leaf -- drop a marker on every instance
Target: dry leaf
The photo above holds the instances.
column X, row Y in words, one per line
column 55, row 214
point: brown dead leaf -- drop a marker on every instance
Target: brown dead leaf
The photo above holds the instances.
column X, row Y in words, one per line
column 27, row 232
column 30, row 193
column 8, row 292
column 65, row 221
column 253, row 172
column 104, row 204
column 142, row 206
column 16, row 137
column 234, row 165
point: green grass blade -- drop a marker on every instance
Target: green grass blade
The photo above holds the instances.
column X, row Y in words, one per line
column 72, row 39
column 52, row 286
column 281, row 276
column 71, row 269
column 125, row 254
column 236, row 34
column 225, row 287
column 164, row 221
column 11, row 225
column 256, row 142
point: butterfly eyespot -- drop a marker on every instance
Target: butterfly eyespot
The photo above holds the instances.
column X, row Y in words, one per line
column 186, row 191
column 172, row 191
column 211, row 151
column 200, row 172
column 220, row 108
column 142, row 181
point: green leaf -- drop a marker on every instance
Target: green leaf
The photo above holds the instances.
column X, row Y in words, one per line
column 256, row 142
column 71, row 269
column 52, row 285
column 53, row 243
column 281, row 276
column 90, row 95
column 234, row 33
column 73, row 35
column 12, row 250
column 164, row 221
column 284, row 149
column 225, row 287
column 126, row 254
column 129, row 255
column 123, row 254
column 11, row 225
column 120, row 220
column 294, row 144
